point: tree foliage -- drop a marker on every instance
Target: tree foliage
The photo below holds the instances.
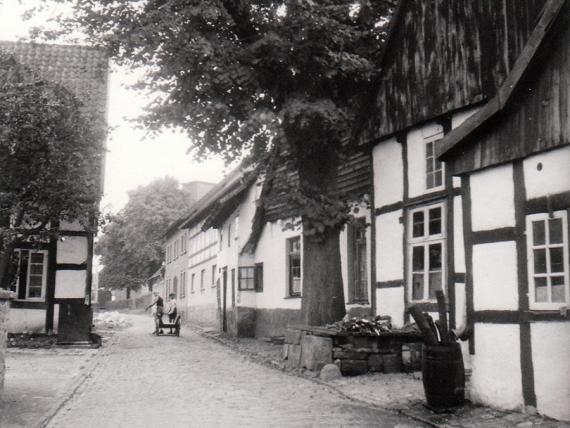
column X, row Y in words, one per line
column 131, row 246
column 50, row 156
column 279, row 82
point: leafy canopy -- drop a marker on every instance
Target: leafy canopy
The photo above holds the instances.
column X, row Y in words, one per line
column 50, row 157
column 131, row 247
column 260, row 78
column 50, row 154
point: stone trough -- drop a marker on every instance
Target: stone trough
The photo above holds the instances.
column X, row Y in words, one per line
column 311, row 348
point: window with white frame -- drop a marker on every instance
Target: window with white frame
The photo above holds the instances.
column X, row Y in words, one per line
column 294, row 265
column 426, row 243
column 202, row 279
column 32, row 275
column 192, row 280
column 547, row 240
column 434, row 168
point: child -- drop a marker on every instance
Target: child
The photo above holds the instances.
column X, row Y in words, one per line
column 172, row 311
column 157, row 312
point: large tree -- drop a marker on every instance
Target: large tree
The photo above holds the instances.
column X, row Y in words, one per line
column 131, row 246
column 280, row 82
column 50, row 157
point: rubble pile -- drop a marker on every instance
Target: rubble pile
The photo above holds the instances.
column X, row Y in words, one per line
column 110, row 320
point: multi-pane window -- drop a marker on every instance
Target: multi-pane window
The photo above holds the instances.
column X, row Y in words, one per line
column 426, row 252
column 434, row 168
column 246, row 278
column 250, row 278
column 202, row 279
column 547, row 238
column 214, row 270
column 294, row 265
column 32, row 275
column 357, row 263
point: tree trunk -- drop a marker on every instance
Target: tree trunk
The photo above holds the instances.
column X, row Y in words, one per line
column 323, row 294
column 322, row 291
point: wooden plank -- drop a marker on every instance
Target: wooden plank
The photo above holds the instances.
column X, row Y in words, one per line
column 456, row 137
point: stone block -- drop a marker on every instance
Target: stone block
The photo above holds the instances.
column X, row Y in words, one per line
column 392, row 363
column 293, row 356
column 350, row 354
column 375, row 363
column 330, row 372
column 317, row 351
column 285, row 352
column 4, row 308
column 390, row 348
column 361, row 341
column 293, row 336
column 411, row 357
column 353, row 367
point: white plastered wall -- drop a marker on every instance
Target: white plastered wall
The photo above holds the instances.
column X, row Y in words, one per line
column 72, row 249
column 390, row 301
column 389, row 250
column 550, row 355
column 492, row 198
column 271, row 251
column 388, row 172
column 70, row 284
column 547, row 173
column 390, row 265
column 458, row 238
column 495, row 285
column 497, row 357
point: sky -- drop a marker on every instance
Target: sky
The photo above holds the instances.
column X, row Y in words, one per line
column 132, row 160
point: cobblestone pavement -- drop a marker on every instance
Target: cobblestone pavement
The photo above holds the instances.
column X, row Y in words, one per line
column 147, row 381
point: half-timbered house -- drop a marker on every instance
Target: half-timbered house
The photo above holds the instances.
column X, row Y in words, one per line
column 444, row 62
column 513, row 157
column 53, row 290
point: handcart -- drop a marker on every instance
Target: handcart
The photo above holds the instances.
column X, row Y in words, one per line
column 174, row 327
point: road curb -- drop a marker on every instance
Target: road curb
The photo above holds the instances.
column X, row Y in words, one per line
column 80, row 381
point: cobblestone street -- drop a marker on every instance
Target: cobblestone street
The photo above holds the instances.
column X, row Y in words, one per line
column 147, row 381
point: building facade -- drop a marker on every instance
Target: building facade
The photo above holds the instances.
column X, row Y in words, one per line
column 53, row 291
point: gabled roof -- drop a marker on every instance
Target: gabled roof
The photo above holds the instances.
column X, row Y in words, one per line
column 80, row 69
column 218, row 194
column 443, row 56
column 529, row 56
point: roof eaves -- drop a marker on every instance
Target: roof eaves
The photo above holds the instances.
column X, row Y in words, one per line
column 456, row 137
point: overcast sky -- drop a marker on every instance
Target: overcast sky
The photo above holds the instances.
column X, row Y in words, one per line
column 132, row 160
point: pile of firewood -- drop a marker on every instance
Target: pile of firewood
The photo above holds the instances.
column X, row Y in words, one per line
column 434, row 332
column 363, row 325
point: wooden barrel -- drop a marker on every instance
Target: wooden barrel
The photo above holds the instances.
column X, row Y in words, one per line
column 443, row 375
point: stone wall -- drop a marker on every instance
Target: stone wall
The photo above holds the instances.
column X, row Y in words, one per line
column 5, row 297
column 312, row 348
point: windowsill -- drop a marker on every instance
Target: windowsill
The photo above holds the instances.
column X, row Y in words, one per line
column 246, row 289
column 558, row 307
column 292, row 297
column 358, row 302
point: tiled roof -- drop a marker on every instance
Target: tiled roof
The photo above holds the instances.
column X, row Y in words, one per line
column 82, row 70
